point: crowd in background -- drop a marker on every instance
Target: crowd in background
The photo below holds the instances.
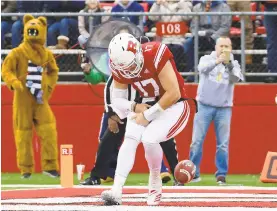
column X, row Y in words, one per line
column 59, row 28
column 63, row 32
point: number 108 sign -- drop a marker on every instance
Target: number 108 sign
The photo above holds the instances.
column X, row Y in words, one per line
column 171, row 28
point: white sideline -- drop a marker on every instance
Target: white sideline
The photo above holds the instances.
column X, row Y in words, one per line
column 167, row 197
column 129, row 208
column 71, row 200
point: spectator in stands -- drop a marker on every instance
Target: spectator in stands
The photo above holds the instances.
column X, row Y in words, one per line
column 194, row 2
column 6, row 22
column 245, row 6
column 174, row 42
column 128, row 6
column 271, row 39
column 86, row 23
column 17, row 27
column 53, row 23
column 210, row 28
column 68, row 27
column 218, row 74
column 150, row 2
column 108, row 1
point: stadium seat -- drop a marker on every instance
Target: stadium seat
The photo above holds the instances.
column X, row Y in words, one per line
column 235, row 18
column 234, row 31
column 261, row 30
column 253, row 9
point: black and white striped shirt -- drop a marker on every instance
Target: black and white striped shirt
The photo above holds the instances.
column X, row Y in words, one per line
column 132, row 94
column 33, row 81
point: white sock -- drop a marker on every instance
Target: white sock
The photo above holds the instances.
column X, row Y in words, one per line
column 119, row 182
column 154, row 156
column 125, row 162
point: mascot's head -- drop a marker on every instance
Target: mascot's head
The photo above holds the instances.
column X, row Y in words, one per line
column 35, row 29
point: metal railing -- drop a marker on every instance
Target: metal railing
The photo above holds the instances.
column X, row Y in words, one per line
column 243, row 52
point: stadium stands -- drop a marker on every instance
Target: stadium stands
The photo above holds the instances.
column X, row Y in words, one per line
column 69, row 62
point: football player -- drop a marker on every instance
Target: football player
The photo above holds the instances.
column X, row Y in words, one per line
column 162, row 114
column 113, row 129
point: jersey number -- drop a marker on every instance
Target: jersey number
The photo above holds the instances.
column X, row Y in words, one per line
column 146, row 82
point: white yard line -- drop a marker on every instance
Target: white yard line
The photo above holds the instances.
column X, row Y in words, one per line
column 29, row 186
column 206, row 195
column 127, row 208
column 142, row 197
column 72, row 200
column 145, row 187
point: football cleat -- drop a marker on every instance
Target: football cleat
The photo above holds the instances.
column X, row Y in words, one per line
column 111, row 198
column 155, row 191
column 91, row 181
column 107, row 180
column 165, row 177
column 154, row 197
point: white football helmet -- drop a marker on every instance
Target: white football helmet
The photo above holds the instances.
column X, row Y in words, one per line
column 126, row 55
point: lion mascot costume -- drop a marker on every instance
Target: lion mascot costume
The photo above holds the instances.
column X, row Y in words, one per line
column 30, row 70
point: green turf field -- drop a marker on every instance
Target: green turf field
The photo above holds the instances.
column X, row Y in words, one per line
column 136, row 179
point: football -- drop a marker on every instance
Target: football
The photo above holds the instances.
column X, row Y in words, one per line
column 184, row 171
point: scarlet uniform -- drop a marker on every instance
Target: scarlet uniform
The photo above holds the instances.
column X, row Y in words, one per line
column 141, row 66
column 147, row 83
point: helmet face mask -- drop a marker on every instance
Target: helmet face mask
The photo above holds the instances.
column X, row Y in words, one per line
column 126, row 55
